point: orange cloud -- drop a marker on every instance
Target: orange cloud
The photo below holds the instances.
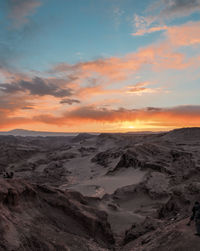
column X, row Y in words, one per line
column 112, row 70
column 141, row 88
column 184, row 35
column 144, row 31
column 80, row 81
column 175, row 116
column 100, row 119
column 159, row 56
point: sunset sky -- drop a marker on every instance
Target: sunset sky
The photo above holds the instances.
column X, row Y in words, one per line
column 99, row 65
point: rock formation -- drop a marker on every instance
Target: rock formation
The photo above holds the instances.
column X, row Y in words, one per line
column 99, row 192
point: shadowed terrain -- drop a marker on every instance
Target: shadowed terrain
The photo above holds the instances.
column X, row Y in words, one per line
column 100, row 192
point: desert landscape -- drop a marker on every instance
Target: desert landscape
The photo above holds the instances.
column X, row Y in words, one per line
column 99, row 125
column 122, row 191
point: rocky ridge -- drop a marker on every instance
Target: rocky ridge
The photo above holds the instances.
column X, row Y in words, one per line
column 100, row 192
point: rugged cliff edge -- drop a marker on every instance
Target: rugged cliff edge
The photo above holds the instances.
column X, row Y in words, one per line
column 36, row 217
column 100, row 192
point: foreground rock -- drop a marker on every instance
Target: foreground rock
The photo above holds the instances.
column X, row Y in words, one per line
column 34, row 217
column 175, row 236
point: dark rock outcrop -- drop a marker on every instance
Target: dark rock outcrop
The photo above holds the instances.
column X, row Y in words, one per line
column 106, row 157
column 138, row 230
column 36, row 217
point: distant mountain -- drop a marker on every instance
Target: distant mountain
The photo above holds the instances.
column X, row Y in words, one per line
column 145, row 132
column 26, row 133
column 29, row 133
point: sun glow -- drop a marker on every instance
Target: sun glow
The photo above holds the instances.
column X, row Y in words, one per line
column 139, row 125
column 127, row 125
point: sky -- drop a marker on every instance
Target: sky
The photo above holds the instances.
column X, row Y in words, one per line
column 99, row 65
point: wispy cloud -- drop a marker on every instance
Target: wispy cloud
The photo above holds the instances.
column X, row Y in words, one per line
column 118, row 13
column 177, row 8
column 145, row 30
column 161, row 12
column 118, row 69
column 184, row 35
column 20, row 10
column 141, row 88
column 11, row 104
